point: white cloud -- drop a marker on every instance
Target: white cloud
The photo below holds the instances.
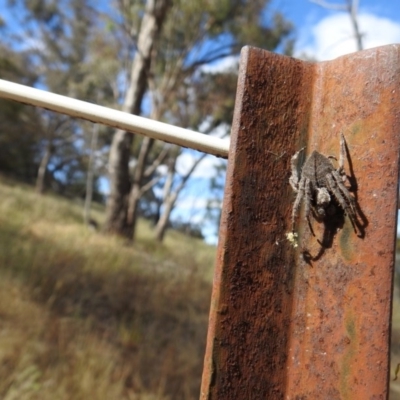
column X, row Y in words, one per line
column 221, row 131
column 333, row 36
column 205, row 169
column 224, row 65
column 190, row 203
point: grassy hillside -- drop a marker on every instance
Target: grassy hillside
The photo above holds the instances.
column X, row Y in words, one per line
column 84, row 316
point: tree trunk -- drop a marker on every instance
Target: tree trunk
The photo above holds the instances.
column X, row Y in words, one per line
column 136, row 192
column 170, row 196
column 90, row 176
column 169, row 201
column 162, row 223
column 117, row 206
column 41, row 176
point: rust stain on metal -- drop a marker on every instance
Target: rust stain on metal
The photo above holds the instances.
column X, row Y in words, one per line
column 312, row 322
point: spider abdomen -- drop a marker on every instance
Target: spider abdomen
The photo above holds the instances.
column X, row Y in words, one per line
column 321, row 186
column 316, row 168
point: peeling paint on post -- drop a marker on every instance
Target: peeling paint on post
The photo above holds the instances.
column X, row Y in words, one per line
column 312, row 322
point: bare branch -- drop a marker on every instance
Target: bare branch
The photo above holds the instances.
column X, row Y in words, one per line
column 189, row 173
column 157, row 162
column 149, row 185
column 351, row 7
column 331, row 6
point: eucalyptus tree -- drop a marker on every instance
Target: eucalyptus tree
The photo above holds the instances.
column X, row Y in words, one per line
column 120, row 153
column 190, row 35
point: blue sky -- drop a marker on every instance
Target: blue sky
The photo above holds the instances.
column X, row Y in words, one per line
column 326, row 34
column 321, row 34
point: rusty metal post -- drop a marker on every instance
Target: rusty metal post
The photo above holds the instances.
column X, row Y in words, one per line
column 311, row 322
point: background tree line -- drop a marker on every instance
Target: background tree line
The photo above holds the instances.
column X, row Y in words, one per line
column 148, row 58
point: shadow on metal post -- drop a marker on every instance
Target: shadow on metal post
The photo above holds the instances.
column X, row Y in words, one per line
column 312, row 321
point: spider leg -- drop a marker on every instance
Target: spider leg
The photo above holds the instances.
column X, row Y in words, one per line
column 342, row 195
column 294, row 178
column 307, row 203
column 350, row 199
column 297, row 202
column 342, row 153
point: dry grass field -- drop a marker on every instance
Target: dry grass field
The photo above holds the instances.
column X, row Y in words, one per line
column 85, row 316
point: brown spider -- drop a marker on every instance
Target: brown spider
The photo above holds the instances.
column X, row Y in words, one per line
column 319, row 183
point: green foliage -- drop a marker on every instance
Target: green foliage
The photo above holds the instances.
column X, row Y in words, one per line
column 20, row 125
column 64, row 57
column 197, row 33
